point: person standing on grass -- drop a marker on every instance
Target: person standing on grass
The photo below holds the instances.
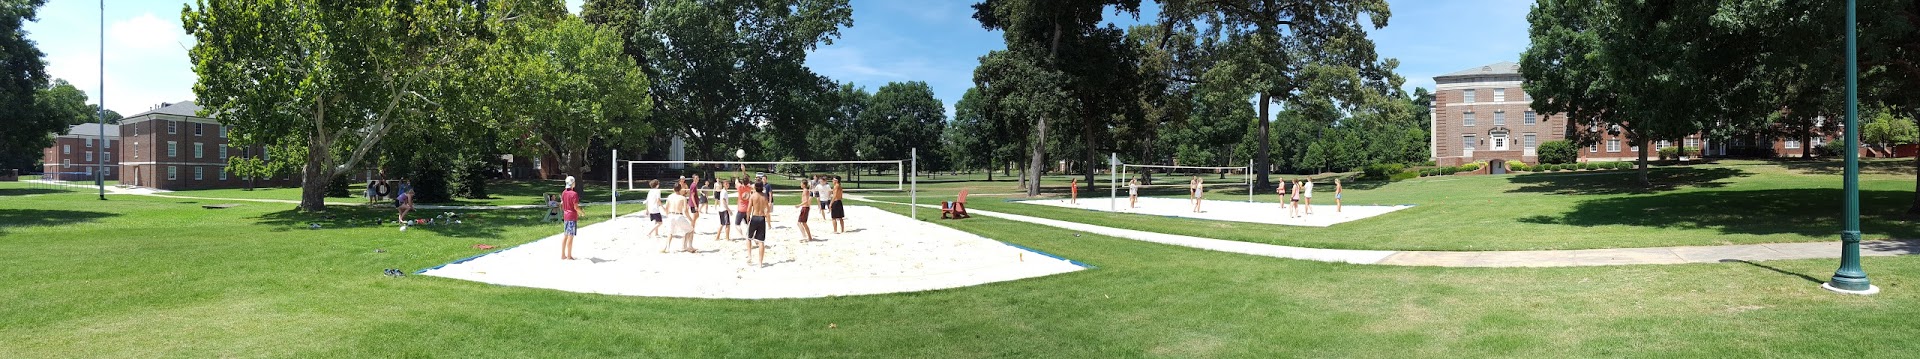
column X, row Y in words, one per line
column 1337, row 190
column 806, row 203
column 1074, row 187
column 1307, row 194
column 839, row 207
column 1133, row 193
column 404, row 204
column 654, row 206
column 761, row 207
column 569, row 218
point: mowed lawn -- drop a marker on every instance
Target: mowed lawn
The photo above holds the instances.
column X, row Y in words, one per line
column 1731, row 202
column 159, row 277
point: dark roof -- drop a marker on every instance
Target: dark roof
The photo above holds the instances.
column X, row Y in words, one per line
column 92, row 130
column 183, row 108
column 1497, row 68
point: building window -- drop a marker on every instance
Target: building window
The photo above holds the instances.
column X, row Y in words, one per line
column 196, row 129
column 89, row 171
column 1499, row 95
column 223, row 152
column 199, row 150
column 1793, row 143
column 1529, row 141
column 1613, row 145
column 1819, row 141
column 198, row 173
column 223, row 174
column 89, row 156
column 1634, row 148
column 223, row 131
column 173, row 127
column 106, row 171
column 173, row 149
column 1467, row 141
column 1526, row 95
column 1664, row 144
column 1593, row 148
column 66, row 149
column 89, row 143
column 1530, row 119
column 1500, row 118
column 1692, row 143
column 106, row 156
column 66, row 163
column 1466, row 119
column 1466, row 96
column 173, row 173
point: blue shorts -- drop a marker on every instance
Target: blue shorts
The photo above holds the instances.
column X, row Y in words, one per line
column 573, row 227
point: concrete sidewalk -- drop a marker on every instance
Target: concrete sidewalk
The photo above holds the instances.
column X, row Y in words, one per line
column 1553, row 258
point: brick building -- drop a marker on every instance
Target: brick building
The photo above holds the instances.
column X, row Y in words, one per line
column 75, row 156
column 1482, row 114
column 172, row 147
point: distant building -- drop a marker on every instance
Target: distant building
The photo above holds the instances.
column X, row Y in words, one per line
column 76, row 155
column 1482, row 114
column 172, row 147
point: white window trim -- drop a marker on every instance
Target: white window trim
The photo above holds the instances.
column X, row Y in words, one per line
column 1467, row 96
column 89, row 155
column 223, row 152
column 1467, row 119
column 1531, row 118
column 66, row 163
column 199, row 150
column 199, row 173
column 1593, row 148
column 197, row 131
column 1500, row 95
column 1470, row 141
column 1613, row 145
column 173, row 173
column 173, row 127
column 1529, row 140
column 1499, row 118
column 66, row 149
column 1792, row 144
column 223, row 174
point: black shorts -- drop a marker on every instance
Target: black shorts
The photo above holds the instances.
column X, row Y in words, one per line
column 655, row 217
column 742, row 219
column 839, row 209
column 757, row 228
column 725, row 217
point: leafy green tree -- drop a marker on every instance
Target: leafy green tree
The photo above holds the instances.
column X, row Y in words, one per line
column 112, row 117
column 322, row 83
column 1277, row 47
column 899, row 118
column 567, row 84
column 67, row 103
column 28, row 128
column 1887, row 130
column 1073, row 70
column 720, row 69
column 1558, row 152
column 973, row 141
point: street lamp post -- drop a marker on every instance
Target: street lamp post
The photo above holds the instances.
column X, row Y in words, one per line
column 1850, row 279
column 99, row 163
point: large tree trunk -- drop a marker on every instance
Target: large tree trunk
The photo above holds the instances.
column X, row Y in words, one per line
column 1261, row 162
column 314, row 178
column 1915, row 208
column 1036, row 165
column 1806, row 146
column 1645, row 144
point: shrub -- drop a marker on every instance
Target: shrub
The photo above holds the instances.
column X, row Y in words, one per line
column 1470, row 167
column 1449, row 170
column 1558, row 152
column 1403, row 176
column 1382, row 170
column 1516, row 167
column 1669, row 153
column 1832, row 148
column 338, row 187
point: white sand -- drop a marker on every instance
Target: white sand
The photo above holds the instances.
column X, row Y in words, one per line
column 882, row 253
column 1238, row 211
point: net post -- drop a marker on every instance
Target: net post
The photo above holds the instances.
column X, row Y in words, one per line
column 1113, row 181
column 1249, row 176
column 913, row 197
column 613, row 183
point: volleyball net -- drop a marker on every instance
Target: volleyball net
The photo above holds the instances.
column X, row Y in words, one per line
column 1127, row 172
column 869, row 175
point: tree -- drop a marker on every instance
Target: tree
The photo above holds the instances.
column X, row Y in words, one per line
column 567, row 84
column 66, row 103
column 323, row 82
column 973, row 141
column 1273, row 43
column 900, row 118
column 112, row 117
column 720, row 70
column 1074, row 68
column 28, row 128
column 1885, row 130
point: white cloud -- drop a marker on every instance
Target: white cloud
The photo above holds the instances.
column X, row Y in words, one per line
column 145, row 33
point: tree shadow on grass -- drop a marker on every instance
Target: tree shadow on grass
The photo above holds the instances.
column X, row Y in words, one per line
column 16, row 218
column 30, row 191
column 1624, row 181
column 1809, row 212
column 1775, row 270
column 1836, row 167
column 472, row 224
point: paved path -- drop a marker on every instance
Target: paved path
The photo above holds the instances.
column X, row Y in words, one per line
column 1554, row 258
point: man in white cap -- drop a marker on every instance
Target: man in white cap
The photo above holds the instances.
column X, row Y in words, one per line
column 569, row 218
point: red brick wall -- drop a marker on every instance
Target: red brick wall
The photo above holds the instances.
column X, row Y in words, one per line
column 1449, row 125
column 75, row 151
column 147, row 142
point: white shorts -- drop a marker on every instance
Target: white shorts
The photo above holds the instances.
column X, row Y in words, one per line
column 679, row 223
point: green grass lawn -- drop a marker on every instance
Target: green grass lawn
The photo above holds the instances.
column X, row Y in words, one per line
column 157, row 277
column 1733, row 202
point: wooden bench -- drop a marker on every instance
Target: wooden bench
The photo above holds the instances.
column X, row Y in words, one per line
column 955, row 209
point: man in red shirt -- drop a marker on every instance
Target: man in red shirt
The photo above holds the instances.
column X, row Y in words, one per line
column 569, row 218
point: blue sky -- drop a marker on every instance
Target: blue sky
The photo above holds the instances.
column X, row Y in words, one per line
column 936, row 41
